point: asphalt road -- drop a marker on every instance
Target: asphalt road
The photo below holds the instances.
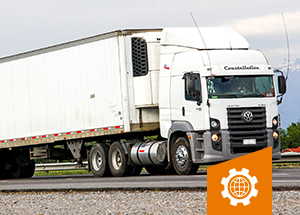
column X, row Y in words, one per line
column 283, row 179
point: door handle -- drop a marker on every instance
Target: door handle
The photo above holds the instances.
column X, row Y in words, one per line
column 183, row 111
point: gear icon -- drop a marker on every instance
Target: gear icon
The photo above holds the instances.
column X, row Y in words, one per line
column 239, row 187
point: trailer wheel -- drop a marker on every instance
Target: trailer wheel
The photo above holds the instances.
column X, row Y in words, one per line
column 117, row 160
column 181, row 157
column 5, row 170
column 98, row 159
column 28, row 170
column 4, row 175
column 27, row 165
column 31, row 169
column 15, row 171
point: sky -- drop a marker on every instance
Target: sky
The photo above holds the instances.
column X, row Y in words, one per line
column 32, row 24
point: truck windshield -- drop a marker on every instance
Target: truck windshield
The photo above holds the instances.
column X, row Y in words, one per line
column 240, row 86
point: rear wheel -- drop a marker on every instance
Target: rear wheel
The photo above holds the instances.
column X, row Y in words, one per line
column 28, row 170
column 9, row 165
column 31, row 169
column 4, row 175
column 98, row 160
column 181, row 157
column 27, row 166
column 15, row 171
column 117, row 160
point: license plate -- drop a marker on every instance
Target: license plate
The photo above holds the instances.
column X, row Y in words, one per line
column 249, row 141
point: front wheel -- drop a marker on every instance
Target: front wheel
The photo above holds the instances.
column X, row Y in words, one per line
column 181, row 157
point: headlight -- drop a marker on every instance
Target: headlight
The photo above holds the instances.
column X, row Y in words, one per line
column 216, row 141
column 275, row 135
column 216, row 137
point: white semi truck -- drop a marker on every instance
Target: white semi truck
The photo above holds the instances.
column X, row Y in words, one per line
column 201, row 92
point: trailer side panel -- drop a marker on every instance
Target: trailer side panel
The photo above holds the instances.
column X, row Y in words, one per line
column 61, row 93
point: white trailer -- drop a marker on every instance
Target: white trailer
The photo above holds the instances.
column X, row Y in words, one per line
column 98, row 98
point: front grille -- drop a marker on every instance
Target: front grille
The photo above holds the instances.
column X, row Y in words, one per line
column 239, row 129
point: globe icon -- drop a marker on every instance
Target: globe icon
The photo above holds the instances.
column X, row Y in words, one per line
column 239, row 186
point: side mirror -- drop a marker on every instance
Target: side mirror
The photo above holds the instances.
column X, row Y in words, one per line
column 281, row 85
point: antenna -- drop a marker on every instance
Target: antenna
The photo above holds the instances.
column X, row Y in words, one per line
column 198, row 30
column 202, row 41
column 288, row 46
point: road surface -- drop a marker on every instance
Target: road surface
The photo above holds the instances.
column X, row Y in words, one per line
column 283, row 179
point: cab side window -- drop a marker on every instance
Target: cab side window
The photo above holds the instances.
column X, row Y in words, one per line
column 192, row 87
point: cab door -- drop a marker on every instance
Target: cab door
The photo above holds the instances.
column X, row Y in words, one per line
column 186, row 97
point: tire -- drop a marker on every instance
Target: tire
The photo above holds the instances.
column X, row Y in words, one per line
column 181, row 157
column 28, row 170
column 117, row 160
column 98, row 160
column 4, row 175
column 4, row 171
column 21, row 162
column 15, row 171
column 31, row 169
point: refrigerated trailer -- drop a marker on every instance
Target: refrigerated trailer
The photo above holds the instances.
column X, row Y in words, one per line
column 164, row 99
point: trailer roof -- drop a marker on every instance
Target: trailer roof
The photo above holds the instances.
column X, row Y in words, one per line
column 77, row 42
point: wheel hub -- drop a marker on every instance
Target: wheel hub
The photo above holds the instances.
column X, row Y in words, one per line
column 116, row 159
column 97, row 160
column 181, row 156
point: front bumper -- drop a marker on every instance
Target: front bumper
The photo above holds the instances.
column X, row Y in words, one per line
column 203, row 152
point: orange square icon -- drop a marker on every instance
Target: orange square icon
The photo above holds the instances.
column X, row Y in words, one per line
column 242, row 185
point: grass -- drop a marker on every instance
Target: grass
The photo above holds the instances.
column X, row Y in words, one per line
column 64, row 172
column 201, row 168
column 286, row 165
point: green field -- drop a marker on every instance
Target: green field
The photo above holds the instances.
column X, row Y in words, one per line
column 201, row 168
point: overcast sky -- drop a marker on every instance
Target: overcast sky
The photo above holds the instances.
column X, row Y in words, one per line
column 31, row 24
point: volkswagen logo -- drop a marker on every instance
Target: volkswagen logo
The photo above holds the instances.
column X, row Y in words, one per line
column 247, row 116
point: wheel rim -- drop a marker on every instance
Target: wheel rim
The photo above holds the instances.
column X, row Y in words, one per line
column 97, row 160
column 181, row 156
column 116, row 159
